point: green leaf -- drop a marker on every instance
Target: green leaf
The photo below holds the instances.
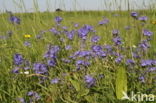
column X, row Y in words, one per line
column 76, row 84
column 121, row 82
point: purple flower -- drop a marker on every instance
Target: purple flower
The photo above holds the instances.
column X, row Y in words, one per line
column 152, row 69
column 70, row 34
column 95, row 39
column 51, row 62
column 18, row 59
column 35, row 96
column 68, row 47
column 143, row 18
column 83, row 32
column 115, row 32
column 55, row 81
column 14, row 19
column 142, row 79
column 53, row 30
column 21, row 100
column 65, row 60
column 134, row 15
column 103, row 22
column 146, row 63
column 26, row 43
column 58, row 19
column 82, row 62
column 15, row 70
column 76, row 25
column 144, row 45
column 117, row 40
column 101, row 54
column 52, row 52
column 40, row 68
column 130, row 62
column 118, row 59
column 147, row 32
column 96, row 48
column 90, row 81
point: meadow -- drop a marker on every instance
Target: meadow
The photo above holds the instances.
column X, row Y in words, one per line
column 77, row 57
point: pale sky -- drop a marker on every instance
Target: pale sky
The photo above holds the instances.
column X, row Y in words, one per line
column 51, row 5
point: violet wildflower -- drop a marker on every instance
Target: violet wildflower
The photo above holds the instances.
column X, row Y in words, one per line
column 144, row 45
column 96, row 48
column 21, row 100
column 104, row 22
column 18, row 59
column 90, row 81
column 82, row 62
column 142, row 79
column 14, row 19
column 40, row 68
column 117, row 40
column 55, row 81
column 54, row 31
column 147, row 32
column 143, row 18
column 51, row 62
column 15, row 70
column 58, row 19
column 118, row 59
column 66, row 60
column 95, row 39
column 130, row 62
column 26, row 43
column 134, row 15
column 152, row 69
column 83, row 32
column 35, row 96
column 52, row 52
column 146, row 63
column 115, row 32
column 70, row 34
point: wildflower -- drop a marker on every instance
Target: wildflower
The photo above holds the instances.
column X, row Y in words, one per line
column 26, row 43
column 27, row 35
column 40, row 68
column 70, row 34
column 104, row 22
column 54, row 31
column 55, row 81
column 96, row 48
column 58, row 19
column 143, row 18
column 117, row 40
column 130, row 62
column 51, row 62
column 65, row 60
column 35, row 96
column 152, row 69
column 95, row 39
column 144, row 45
column 142, row 79
column 90, row 81
column 52, row 52
column 14, row 19
column 18, row 59
column 147, row 32
column 118, row 59
column 146, row 63
column 82, row 62
column 15, row 70
column 76, row 25
column 134, row 15
column 68, row 47
column 115, row 32
column 21, row 100
column 83, row 32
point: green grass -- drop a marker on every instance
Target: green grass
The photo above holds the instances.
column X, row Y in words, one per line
column 72, row 89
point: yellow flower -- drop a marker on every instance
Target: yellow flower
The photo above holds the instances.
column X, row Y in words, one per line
column 27, row 35
column 153, row 22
